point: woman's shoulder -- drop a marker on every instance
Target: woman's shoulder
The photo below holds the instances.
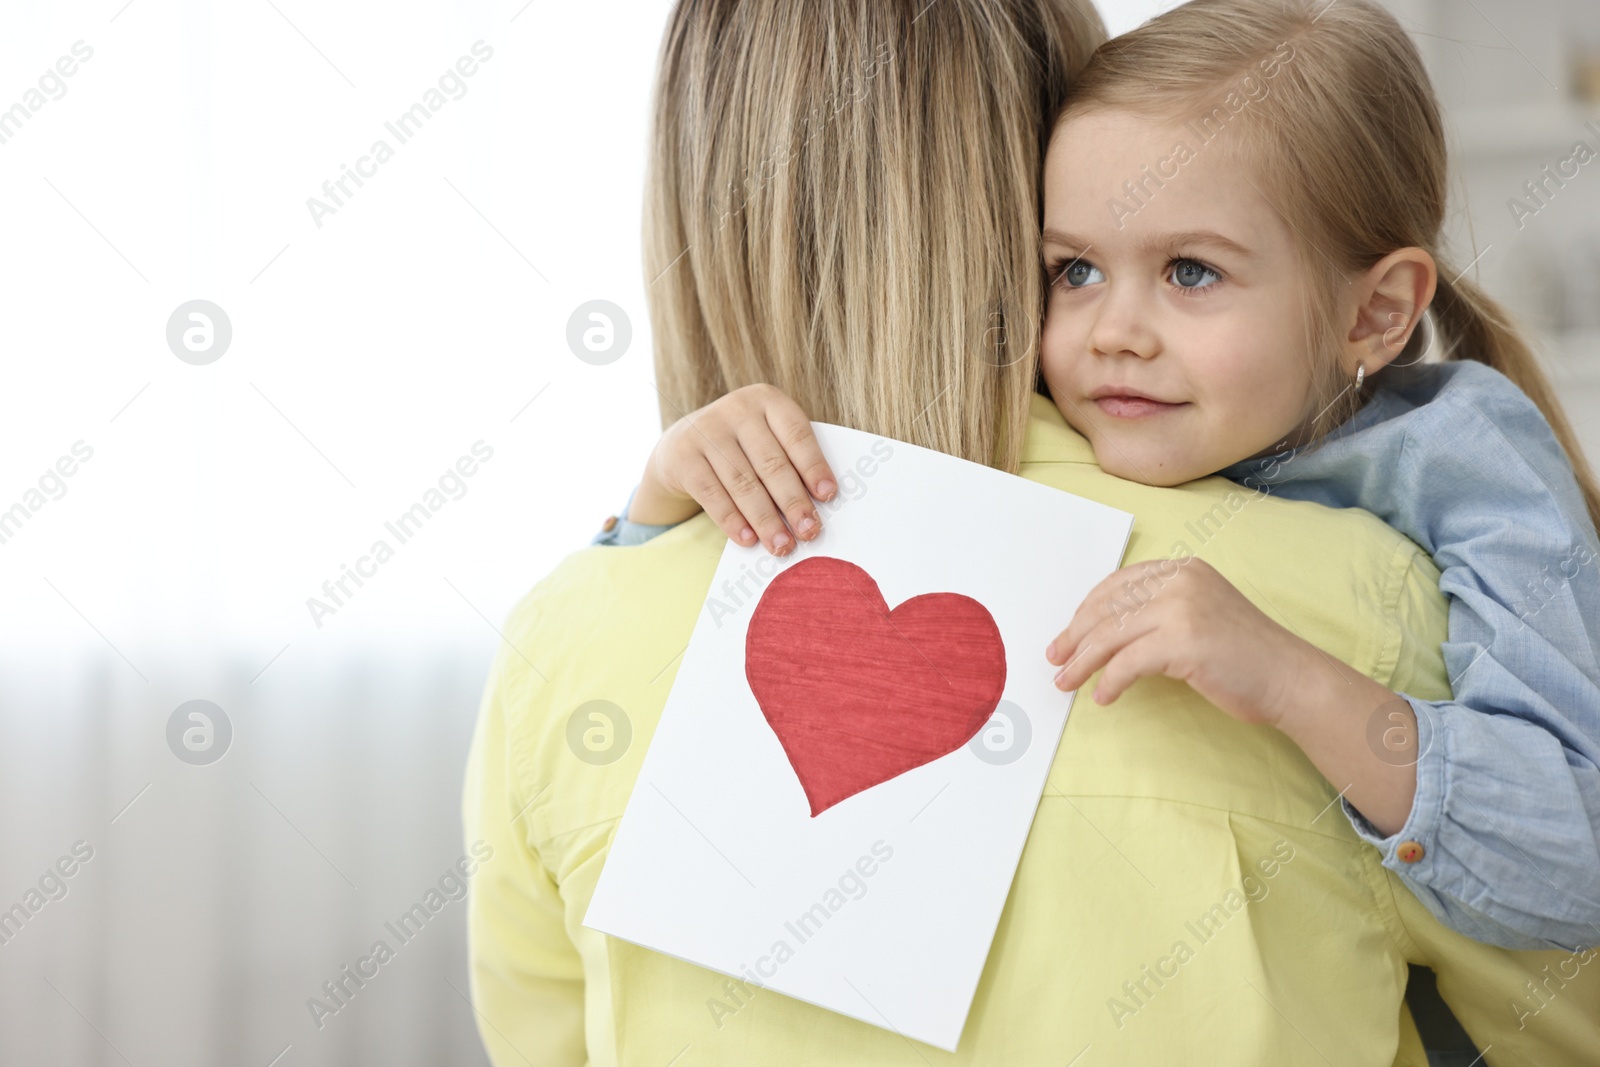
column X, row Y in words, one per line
column 600, row 589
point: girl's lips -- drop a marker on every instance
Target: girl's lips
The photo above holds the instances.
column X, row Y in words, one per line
column 1133, row 407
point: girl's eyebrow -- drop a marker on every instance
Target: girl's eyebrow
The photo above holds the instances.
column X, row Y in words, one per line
column 1057, row 237
column 1163, row 241
column 1159, row 242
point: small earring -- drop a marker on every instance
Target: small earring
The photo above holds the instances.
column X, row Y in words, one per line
column 1361, row 374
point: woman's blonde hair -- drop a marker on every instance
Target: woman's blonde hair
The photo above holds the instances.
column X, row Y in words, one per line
column 1332, row 106
column 843, row 202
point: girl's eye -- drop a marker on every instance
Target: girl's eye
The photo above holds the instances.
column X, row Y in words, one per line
column 1079, row 274
column 1192, row 274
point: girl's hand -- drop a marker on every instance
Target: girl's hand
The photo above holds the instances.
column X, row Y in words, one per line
column 750, row 460
column 1180, row 618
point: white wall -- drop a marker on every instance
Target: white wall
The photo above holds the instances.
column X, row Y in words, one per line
column 368, row 356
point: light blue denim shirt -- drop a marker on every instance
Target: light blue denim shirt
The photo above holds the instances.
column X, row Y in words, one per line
column 619, row 531
column 1507, row 805
column 1458, row 459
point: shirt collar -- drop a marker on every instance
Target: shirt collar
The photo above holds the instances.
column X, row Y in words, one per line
column 1263, row 469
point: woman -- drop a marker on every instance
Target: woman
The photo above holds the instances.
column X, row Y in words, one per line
column 844, row 204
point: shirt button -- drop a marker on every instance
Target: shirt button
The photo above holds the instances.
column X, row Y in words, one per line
column 610, row 524
column 1410, row 851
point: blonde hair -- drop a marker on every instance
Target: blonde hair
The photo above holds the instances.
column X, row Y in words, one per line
column 843, row 202
column 1346, row 142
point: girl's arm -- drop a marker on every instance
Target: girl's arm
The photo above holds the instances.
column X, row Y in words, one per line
column 1508, row 786
column 1500, row 836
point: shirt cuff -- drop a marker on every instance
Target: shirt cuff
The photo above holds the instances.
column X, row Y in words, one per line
column 1413, row 849
column 618, row 531
column 1461, row 865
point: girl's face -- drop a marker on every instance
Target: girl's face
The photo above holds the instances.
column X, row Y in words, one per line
column 1174, row 336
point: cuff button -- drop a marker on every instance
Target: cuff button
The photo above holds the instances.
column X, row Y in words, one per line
column 609, row 525
column 1410, row 852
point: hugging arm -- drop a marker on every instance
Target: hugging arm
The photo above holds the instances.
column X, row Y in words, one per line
column 1508, row 782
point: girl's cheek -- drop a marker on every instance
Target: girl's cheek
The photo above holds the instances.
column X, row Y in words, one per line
column 1052, row 358
column 1056, row 345
column 1237, row 366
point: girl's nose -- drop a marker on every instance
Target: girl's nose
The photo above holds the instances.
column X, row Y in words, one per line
column 1124, row 327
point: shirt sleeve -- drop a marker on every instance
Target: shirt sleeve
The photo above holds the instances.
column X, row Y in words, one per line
column 1508, row 777
column 527, row 984
column 620, row 532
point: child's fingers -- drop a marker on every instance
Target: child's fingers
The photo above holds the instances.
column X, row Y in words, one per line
column 1093, row 646
column 739, row 478
column 702, row 483
column 793, row 431
column 1137, row 659
column 1088, row 659
column 1085, row 619
column 1117, row 595
column 782, row 481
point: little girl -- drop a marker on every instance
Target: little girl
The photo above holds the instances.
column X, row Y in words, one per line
column 1242, row 210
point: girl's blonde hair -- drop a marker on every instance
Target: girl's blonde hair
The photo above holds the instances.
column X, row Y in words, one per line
column 1331, row 104
column 843, row 202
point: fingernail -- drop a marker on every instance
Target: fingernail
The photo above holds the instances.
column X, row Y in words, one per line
column 780, row 544
column 1050, row 652
column 1062, row 673
column 747, row 535
column 825, row 489
column 806, row 525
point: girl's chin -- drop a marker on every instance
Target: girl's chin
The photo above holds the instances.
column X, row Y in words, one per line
column 1157, row 469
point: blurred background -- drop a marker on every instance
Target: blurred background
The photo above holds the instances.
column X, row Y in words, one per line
column 226, row 379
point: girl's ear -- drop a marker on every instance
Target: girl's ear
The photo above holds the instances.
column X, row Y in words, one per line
column 1389, row 301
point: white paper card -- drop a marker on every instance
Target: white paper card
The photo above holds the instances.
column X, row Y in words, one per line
column 883, row 905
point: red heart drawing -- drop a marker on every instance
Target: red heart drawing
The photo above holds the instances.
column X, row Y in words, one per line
column 858, row 694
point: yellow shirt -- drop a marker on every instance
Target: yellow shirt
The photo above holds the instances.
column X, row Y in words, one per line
column 1190, row 892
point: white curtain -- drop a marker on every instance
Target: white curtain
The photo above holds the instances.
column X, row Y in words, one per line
column 223, row 896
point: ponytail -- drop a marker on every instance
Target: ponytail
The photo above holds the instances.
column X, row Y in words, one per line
column 1479, row 329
